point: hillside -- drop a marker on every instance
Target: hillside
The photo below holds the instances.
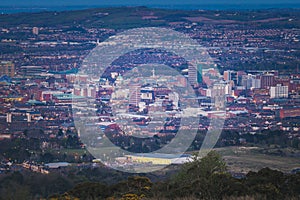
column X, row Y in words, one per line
column 130, row 17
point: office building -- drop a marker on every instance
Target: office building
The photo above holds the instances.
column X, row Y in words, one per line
column 35, row 30
column 230, row 75
column 267, row 80
column 279, row 91
column 195, row 74
column 7, row 68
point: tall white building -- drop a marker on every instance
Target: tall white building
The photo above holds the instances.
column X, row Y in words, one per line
column 192, row 72
column 134, row 94
column 174, row 96
column 251, row 81
column 35, row 30
column 279, row 91
column 221, row 89
column 218, row 92
column 256, row 83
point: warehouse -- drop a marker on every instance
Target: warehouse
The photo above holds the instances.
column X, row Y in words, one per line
column 159, row 159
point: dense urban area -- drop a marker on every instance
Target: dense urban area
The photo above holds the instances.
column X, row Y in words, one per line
column 251, row 82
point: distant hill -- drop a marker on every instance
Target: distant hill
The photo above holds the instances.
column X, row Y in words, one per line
column 132, row 17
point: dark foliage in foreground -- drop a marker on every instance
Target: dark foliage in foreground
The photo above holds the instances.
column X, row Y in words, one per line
column 205, row 178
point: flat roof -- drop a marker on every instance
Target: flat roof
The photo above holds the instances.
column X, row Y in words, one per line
column 160, row 155
column 67, row 96
column 57, row 165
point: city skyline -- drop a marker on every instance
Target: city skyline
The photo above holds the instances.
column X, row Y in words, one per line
column 92, row 100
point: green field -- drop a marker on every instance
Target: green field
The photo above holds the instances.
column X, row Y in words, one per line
column 238, row 159
column 244, row 159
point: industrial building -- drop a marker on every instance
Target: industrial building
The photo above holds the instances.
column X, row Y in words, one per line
column 159, row 158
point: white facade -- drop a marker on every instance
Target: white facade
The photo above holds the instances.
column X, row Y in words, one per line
column 279, row 91
column 192, row 72
column 256, row 83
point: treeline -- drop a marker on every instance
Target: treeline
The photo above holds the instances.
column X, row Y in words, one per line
column 267, row 138
column 205, row 178
column 279, row 138
column 29, row 148
column 19, row 150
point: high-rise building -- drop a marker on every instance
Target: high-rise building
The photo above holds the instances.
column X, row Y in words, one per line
column 250, row 81
column 218, row 93
column 240, row 75
column 192, row 72
column 279, row 91
column 230, row 75
column 35, row 30
column 246, row 81
column 267, row 80
column 31, row 71
column 256, row 82
column 7, row 68
column 195, row 74
column 221, row 89
column 135, row 94
column 199, row 74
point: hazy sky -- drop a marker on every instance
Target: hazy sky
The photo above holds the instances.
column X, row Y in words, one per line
column 136, row 2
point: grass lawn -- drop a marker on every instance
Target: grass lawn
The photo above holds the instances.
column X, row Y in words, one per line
column 244, row 159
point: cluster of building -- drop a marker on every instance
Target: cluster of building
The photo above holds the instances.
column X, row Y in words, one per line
column 39, row 84
column 269, row 99
column 35, row 95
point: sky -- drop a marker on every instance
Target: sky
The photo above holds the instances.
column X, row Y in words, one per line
column 136, row 2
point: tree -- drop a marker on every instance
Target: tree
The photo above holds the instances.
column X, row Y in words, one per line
column 47, row 157
column 204, row 178
column 90, row 191
column 266, row 182
column 139, row 185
